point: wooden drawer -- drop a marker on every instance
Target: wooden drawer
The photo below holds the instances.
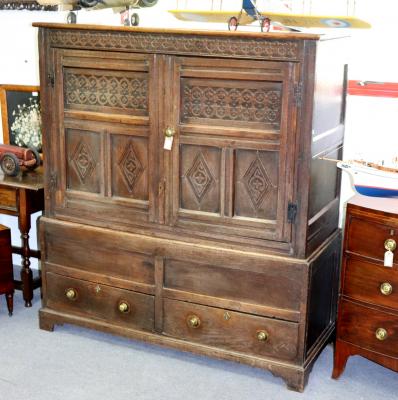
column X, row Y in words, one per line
column 230, row 330
column 103, row 302
column 8, row 198
column 277, row 288
column 367, row 238
column 359, row 324
column 370, row 282
column 91, row 252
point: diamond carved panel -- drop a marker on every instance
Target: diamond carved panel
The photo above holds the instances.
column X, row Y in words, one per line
column 131, row 167
column 83, row 161
column 200, row 177
column 257, row 182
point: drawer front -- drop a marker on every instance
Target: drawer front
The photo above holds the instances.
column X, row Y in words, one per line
column 371, row 283
column 92, row 252
column 279, row 288
column 367, row 238
column 362, row 326
column 118, row 306
column 230, row 330
column 8, row 198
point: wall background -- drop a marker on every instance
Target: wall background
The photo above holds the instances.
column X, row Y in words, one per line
column 372, row 126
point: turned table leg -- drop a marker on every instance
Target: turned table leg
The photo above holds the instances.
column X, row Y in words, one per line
column 24, row 227
column 10, row 302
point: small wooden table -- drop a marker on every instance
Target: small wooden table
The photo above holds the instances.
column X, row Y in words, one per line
column 22, row 196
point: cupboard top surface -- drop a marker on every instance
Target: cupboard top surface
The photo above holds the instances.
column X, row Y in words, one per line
column 376, row 204
column 196, row 32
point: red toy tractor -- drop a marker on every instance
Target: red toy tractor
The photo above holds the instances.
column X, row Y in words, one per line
column 12, row 158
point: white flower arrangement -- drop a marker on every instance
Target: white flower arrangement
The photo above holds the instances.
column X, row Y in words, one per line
column 26, row 127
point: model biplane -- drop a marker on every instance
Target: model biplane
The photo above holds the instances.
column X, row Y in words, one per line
column 122, row 6
column 249, row 13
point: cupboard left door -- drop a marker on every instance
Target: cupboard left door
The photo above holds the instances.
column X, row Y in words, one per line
column 103, row 151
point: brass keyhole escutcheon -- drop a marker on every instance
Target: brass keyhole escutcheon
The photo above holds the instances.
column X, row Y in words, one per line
column 386, row 288
column 193, row 321
column 227, row 316
column 262, row 336
column 71, row 294
column 97, row 289
column 381, row 334
column 124, row 307
column 390, row 244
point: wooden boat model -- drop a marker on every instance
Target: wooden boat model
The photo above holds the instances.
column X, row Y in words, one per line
column 371, row 179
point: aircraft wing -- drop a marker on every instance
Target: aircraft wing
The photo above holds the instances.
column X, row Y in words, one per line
column 299, row 20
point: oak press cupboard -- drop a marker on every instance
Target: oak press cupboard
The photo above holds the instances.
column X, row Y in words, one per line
column 226, row 245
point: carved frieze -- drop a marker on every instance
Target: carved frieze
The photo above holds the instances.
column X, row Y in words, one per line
column 232, row 104
column 105, row 91
column 200, row 45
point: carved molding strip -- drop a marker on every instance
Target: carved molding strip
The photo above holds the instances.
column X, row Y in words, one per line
column 219, row 46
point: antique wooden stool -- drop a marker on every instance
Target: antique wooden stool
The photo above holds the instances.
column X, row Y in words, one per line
column 6, row 268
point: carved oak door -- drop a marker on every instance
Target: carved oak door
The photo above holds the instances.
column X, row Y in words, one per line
column 231, row 162
column 104, row 136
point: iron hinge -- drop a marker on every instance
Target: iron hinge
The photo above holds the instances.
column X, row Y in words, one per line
column 298, row 93
column 291, row 212
column 53, row 182
column 51, row 79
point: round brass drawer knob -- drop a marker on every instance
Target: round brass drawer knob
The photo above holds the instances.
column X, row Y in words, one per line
column 193, row 321
column 390, row 244
column 71, row 294
column 386, row 288
column 381, row 334
column 262, row 336
column 124, row 307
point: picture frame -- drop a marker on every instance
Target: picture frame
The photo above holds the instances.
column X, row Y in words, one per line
column 19, row 102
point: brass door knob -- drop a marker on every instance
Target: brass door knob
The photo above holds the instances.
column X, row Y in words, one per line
column 71, row 294
column 193, row 321
column 262, row 336
column 386, row 288
column 169, row 132
column 124, row 307
column 381, row 334
column 390, row 244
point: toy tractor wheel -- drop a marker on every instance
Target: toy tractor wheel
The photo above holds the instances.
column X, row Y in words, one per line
column 37, row 157
column 9, row 164
column 135, row 19
column 233, row 24
column 265, row 24
column 147, row 3
column 71, row 18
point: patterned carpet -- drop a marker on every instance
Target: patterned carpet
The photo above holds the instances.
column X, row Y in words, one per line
column 80, row 364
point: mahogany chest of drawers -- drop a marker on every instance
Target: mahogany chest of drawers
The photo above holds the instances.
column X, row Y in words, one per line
column 227, row 243
column 368, row 306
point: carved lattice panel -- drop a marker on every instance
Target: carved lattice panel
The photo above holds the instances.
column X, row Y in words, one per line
column 129, row 167
column 248, row 103
column 256, row 184
column 200, row 178
column 110, row 91
column 83, row 158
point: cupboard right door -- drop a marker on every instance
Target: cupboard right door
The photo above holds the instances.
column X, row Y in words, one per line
column 230, row 170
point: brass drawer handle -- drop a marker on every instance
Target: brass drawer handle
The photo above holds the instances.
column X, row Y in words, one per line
column 71, row 294
column 124, row 307
column 193, row 321
column 386, row 288
column 390, row 244
column 381, row 334
column 262, row 336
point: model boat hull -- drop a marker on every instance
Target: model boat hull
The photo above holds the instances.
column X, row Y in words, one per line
column 370, row 181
